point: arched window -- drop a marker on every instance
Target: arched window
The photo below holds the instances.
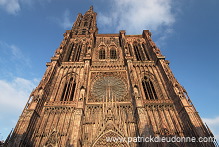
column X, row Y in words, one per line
column 113, row 54
column 149, row 90
column 77, row 53
column 69, row 52
column 138, row 52
column 85, row 23
column 102, row 54
column 74, row 53
column 68, row 90
column 145, row 51
column 75, row 56
column 130, row 49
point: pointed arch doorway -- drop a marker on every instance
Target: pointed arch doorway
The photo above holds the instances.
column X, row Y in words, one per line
column 109, row 139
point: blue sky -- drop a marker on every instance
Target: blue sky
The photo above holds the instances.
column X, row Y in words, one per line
column 186, row 31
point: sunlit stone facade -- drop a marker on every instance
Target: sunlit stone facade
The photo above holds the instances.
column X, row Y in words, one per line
column 107, row 85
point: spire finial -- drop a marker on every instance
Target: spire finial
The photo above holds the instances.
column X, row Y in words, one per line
column 91, row 8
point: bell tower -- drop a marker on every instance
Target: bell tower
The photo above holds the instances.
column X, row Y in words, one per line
column 107, row 90
column 85, row 24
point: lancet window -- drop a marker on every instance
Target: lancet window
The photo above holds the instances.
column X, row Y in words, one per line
column 76, row 53
column 138, row 52
column 130, row 49
column 102, row 53
column 85, row 23
column 149, row 90
column 113, row 54
column 68, row 90
column 68, row 54
column 145, row 51
column 73, row 55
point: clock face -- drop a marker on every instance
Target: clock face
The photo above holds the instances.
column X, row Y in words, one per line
column 109, row 88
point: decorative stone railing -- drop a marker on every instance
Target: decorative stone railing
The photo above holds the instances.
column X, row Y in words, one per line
column 61, row 103
column 158, row 102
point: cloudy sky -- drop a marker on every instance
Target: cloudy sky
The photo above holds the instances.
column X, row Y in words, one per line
column 186, row 31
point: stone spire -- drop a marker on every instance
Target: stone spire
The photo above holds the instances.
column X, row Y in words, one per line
column 85, row 24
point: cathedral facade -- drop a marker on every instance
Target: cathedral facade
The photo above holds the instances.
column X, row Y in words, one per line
column 102, row 87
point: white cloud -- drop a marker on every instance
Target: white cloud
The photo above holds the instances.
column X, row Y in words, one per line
column 135, row 16
column 14, row 94
column 105, row 20
column 65, row 21
column 213, row 124
column 14, row 6
column 13, row 97
column 11, row 6
column 14, row 53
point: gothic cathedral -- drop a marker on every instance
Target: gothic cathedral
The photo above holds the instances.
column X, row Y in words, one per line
column 100, row 87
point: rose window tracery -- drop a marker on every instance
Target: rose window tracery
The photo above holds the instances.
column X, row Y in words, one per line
column 109, row 88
